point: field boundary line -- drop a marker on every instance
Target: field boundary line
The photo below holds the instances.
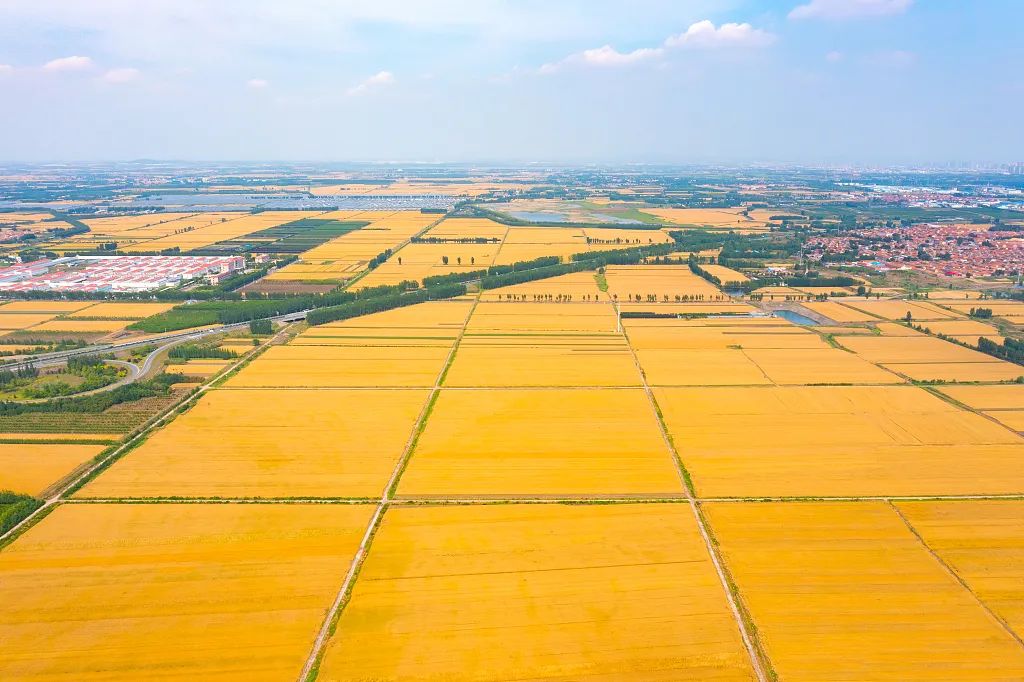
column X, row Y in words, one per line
column 956, row 576
column 758, row 657
column 97, row 466
column 311, row 668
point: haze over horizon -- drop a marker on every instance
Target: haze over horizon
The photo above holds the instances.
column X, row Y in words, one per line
column 655, row 81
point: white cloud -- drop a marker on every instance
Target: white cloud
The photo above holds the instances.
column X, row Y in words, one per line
column 122, row 75
column 704, row 35
column 605, row 56
column 257, row 83
column 378, row 80
column 833, row 56
column 73, row 63
column 849, row 9
column 701, row 35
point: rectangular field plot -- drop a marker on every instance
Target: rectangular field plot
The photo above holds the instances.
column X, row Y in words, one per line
column 306, row 366
column 983, row 542
column 626, row 282
column 122, row 311
column 624, row 592
column 718, row 334
column 699, row 367
column 172, row 591
column 818, row 366
column 844, row 591
column 542, row 317
column 997, row 370
column 521, row 361
column 837, row 312
column 897, row 310
column 911, row 349
column 283, row 443
column 32, row 468
column 837, row 441
column 432, row 321
column 541, row 442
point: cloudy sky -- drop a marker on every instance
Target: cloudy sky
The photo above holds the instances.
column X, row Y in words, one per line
column 817, row 81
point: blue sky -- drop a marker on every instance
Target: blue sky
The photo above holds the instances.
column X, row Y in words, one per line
column 683, row 81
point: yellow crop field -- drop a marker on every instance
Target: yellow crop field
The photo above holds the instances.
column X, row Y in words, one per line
column 982, row 541
column 496, row 361
column 897, row 310
column 199, row 368
column 439, row 318
column 541, row 442
column 720, row 334
column 845, row 591
column 16, row 321
column 699, row 367
column 837, row 441
column 301, row 366
column 427, row 260
column 577, row 285
column 32, row 468
column 296, row 443
column 467, row 228
column 172, row 591
column 726, row 275
column 123, row 311
column 344, row 256
column 547, row 235
column 221, row 228
column 961, row 328
column 625, row 282
column 887, row 349
column 118, row 224
column 51, row 307
column 817, row 366
column 997, row 370
column 86, row 326
column 514, row 252
column 1012, row 310
column 838, row 312
column 1008, row 396
column 564, row 592
column 722, row 218
column 542, row 317
column 953, row 295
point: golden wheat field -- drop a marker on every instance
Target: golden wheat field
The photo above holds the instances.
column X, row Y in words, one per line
column 845, row 591
column 540, row 442
column 563, row 592
column 726, row 275
column 271, row 443
column 545, row 318
column 522, row 361
column 51, row 307
column 172, row 591
column 122, row 311
column 17, row 321
column 982, row 541
column 30, row 468
column 837, row 441
column 333, row 366
column 897, row 310
column 837, row 312
column 637, row 282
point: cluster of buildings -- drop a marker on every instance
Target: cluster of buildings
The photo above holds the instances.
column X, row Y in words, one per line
column 116, row 273
column 954, row 250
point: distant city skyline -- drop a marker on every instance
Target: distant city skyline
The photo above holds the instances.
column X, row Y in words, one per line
column 867, row 82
